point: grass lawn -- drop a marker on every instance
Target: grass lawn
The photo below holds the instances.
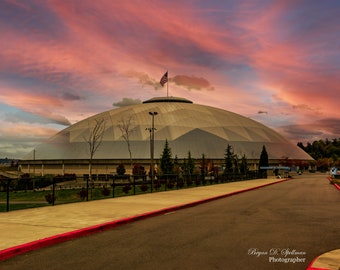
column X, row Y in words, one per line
column 19, row 206
column 28, row 199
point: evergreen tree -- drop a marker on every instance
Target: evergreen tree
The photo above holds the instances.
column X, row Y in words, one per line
column 167, row 165
column 236, row 168
column 176, row 162
column 185, row 166
column 190, row 164
column 177, row 166
column 263, row 162
column 228, row 160
column 244, row 165
column 203, row 166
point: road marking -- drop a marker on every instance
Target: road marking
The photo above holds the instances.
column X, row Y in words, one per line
column 169, row 213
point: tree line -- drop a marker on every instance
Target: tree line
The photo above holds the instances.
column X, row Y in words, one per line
column 233, row 164
column 325, row 152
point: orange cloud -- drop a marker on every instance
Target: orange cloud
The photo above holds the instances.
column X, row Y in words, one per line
column 192, row 82
column 22, row 131
column 65, row 61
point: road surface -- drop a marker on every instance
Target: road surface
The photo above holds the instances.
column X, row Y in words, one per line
column 283, row 226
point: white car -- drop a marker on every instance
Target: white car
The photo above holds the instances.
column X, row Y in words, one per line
column 334, row 171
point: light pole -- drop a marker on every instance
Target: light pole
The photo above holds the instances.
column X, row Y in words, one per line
column 152, row 146
column 33, row 169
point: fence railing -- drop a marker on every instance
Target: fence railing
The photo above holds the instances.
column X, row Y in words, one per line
column 28, row 192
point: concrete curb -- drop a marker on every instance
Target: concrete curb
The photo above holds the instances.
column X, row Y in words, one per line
column 17, row 250
column 327, row 261
column 310, row 266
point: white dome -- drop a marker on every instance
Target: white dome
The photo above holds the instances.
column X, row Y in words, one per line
column 187, row 127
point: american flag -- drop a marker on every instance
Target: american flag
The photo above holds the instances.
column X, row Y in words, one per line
column 164, row 79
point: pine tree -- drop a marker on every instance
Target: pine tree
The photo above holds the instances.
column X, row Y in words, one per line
column 236, row 167
column 244, row 165
column 228, row 160
column 177, row 166
column 263, row 162
column 167, row 165
column 190, row 164
column 203, row 166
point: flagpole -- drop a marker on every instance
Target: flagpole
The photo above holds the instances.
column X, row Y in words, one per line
column 167, row 86
column 165, row 80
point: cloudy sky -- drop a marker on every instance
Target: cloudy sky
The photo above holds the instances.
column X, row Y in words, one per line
column 277, row 62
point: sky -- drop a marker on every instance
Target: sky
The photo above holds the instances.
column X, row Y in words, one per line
column 61, row 61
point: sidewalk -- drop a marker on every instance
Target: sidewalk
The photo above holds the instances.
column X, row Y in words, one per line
column 28, row 229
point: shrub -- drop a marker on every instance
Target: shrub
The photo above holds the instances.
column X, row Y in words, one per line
column 121, row 169
column 50, row 198
column 180, row 183
column 126, row 189
column 41, row 182
column 82, row 194
column 144, row 187
column 170, row 185
column 105, row 191
column 138, row 170
column 157, row 184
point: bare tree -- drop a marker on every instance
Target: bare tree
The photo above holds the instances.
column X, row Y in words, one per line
column 94, row 140
column 125, row 128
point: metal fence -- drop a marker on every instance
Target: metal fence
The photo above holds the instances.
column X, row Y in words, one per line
column 28, row 192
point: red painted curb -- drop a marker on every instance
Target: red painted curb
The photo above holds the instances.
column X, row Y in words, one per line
column 17, row 250
column 336, row 185
column 310, row 266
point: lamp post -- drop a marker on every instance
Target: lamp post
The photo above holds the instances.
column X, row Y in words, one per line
column 152, row 146
column 33, row 169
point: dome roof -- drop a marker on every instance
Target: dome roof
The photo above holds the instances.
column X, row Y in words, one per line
column 187, row 126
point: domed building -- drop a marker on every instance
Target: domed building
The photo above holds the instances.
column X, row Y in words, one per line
column 186, row 126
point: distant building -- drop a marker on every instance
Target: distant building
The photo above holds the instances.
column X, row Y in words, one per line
column 187, row 126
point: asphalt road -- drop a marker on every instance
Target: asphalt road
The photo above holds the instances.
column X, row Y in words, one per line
column 283, row 226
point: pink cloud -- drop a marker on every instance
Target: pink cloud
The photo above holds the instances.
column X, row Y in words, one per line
column 65, row 61
column 284, row 61
column 27, row 131
column 34, row 103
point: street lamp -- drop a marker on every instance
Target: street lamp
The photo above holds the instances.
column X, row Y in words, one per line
column 33, row 169
column 152, row 145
